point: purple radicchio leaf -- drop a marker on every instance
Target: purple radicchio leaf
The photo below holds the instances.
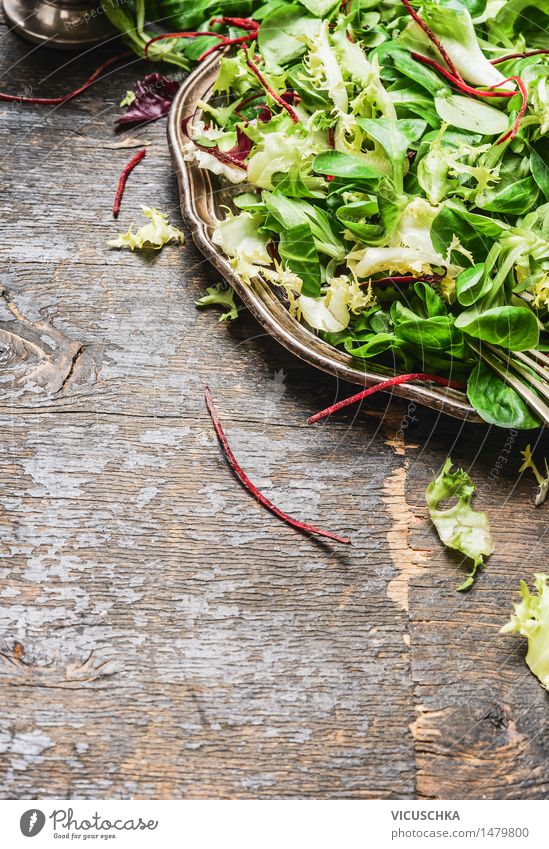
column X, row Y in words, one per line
column 153, row 98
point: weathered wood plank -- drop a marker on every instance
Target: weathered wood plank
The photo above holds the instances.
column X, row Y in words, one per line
column 153, row 612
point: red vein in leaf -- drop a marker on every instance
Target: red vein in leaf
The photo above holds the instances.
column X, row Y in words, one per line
column 222, row 155
column 432, row 37
column 519, row 55
column 54, row 101
column 405, row 278
column 281, row 102
column 244, row 479
column 123, row 180
column 386, row 384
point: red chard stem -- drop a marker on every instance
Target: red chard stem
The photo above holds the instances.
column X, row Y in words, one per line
column 386, row 384
column 123, row 180
column 252, row 489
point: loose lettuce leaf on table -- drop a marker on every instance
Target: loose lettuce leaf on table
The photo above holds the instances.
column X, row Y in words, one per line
column 460, row 526
column 150, row 100
column 157, row 233
column 222, row 297
column 531, row 620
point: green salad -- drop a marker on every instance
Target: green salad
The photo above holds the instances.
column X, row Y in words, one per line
column 389, row 164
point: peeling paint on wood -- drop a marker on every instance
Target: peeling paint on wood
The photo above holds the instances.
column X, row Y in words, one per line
column 160, row 635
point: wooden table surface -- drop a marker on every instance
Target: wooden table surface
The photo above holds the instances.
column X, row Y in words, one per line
column 162, row 636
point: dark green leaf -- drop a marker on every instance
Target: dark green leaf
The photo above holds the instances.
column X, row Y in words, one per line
column 540, row 172
column 297, row 248
column 472, row 284
column 515, row 328
column 419, row 73
column 496, row 402
column 514, row 199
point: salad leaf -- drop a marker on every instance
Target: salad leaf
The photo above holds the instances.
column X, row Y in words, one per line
column 459, row 526
column 455, row 29
column 280, row 34
column 531, row 620
column 220, row 296
column 497, row 402
column 291, row 212
column 320, row 8
column 157, row 233
column 540, row 172
column 297, row 248
column 240, row 238
column 334, row 163
column 395, row 137
column 543, row 482
column 515, row 328
column 152, row 98
column 472, row 115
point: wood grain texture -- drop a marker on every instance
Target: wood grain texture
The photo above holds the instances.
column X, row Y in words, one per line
column 161, row 635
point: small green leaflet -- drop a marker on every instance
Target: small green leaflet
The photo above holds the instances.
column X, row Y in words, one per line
column 336, row 164
column 395, row 138
column 540, row 172
column 459, row 526
column 218, row 296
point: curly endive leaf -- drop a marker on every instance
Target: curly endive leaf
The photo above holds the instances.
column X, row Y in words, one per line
column 531, row 619
column 157, row 233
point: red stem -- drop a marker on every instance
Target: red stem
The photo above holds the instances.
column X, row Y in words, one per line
column 385, row 384
column 123, row 180
column 432, row 37
column 514, row 129
column 244, row 479
column 466, row 89
column 518, row 56
column 221, row 155
column 243, row 39
column 54, row 101
column 459, row 83
column 255, row 70
column 405, row 278
column 181, row 35
column 241, row 23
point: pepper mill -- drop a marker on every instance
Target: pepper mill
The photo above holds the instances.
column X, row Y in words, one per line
column 64, row 24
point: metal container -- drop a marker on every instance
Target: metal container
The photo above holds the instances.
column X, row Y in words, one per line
column 64, row 24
